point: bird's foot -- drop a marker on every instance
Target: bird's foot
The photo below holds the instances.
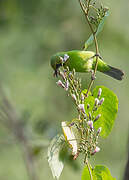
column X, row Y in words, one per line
column 98, row 55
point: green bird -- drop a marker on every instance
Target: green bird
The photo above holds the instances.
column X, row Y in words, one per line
column 83, row 61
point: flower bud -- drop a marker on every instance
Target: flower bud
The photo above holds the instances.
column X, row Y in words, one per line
column 59, row 83
column 89, row 115
column 82, row 97
column 99, row 131
column 72, row 124
column 67, row 85
column 96, row 101
column 66, row 57
column 81, row 107
column 97, row 117
column 97, row 149
column 88, row 106
column 101, row 101
column 90, row 123
column 70, row 75
column 74, row 96
column 62, row 75
column 99, row 92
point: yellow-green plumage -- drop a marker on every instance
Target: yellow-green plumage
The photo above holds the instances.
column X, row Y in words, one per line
column 84, row 61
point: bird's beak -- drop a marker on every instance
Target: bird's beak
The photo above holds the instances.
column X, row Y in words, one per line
column 55, row 74
column 56, row 71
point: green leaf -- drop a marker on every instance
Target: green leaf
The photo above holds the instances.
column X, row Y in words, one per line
column 91, row 101
column 108, row 110
column 98, row 173
column 86, row 174
column 67, row 157
column 102, row 173
column 99, row 29
column 85, row 91
column 54, row 149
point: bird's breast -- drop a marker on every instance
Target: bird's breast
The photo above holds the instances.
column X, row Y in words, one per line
column 88, row 65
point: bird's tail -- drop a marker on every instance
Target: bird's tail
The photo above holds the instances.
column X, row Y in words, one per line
column 115, row 73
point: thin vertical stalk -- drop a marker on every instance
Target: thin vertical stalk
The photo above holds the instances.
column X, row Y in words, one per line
column 86, row 11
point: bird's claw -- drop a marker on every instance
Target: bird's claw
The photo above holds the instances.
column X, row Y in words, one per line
column 98, row 55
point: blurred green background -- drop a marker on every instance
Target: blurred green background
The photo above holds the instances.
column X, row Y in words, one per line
column 30, row 33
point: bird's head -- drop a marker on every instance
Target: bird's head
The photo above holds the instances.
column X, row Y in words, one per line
column 56, row 63
column 55, row 60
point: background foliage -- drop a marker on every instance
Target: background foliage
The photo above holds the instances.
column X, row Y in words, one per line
column 30, row 32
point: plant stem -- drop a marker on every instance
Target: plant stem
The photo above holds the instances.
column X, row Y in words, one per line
column 86, row 11
column 87, row 163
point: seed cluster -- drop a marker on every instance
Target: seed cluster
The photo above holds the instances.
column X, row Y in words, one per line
column 100, row 13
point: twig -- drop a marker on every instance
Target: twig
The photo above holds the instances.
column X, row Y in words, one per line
column 86, row 11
